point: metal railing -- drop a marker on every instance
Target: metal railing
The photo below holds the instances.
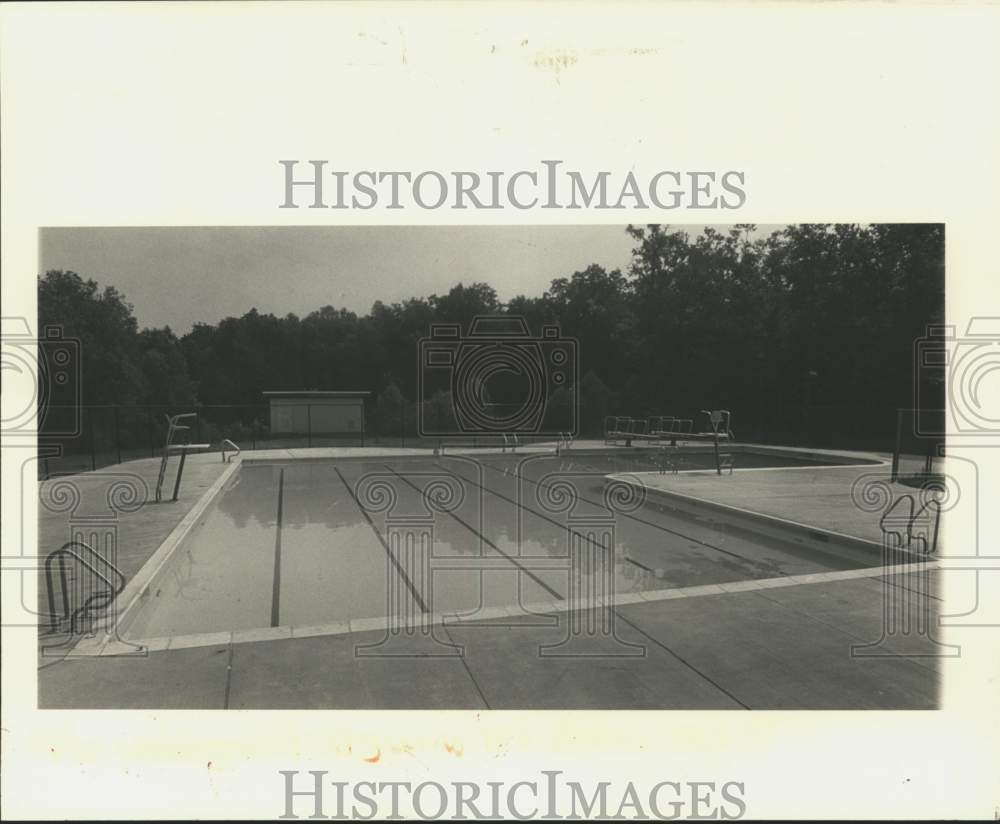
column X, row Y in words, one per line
column 78, row 597
column 232, row 448
column 80, row 439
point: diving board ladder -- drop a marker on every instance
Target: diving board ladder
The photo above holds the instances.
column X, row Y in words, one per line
column 169, row 447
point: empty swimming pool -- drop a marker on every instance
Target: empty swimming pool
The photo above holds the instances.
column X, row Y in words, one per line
column 313, row 542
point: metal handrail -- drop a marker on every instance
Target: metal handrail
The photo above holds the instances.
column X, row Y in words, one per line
column 66, row 550
column 932, row 548
column 564, row 441
column 912, row 516
column 233, row 445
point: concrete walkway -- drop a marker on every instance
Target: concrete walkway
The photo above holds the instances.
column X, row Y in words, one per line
column 810, row 496
column 141, row 524
column 787, row 648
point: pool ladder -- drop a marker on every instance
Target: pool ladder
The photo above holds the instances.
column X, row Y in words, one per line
column 564, row 442
column 79, row 554
column 890, row 523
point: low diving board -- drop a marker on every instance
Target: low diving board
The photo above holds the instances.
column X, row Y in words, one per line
column 174, row 425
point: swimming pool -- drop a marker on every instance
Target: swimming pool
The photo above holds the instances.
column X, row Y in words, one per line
column 313, row 542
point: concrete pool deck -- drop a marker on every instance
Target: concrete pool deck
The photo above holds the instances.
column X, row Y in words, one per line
column 787, row 647
column 139, row 532
column 809, row 496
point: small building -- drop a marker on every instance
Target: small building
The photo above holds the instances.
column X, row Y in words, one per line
column 318, row 413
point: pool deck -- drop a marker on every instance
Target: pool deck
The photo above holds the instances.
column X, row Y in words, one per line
column 141, row 532
column 786, row 648
column 782, row 647
column 809, row 496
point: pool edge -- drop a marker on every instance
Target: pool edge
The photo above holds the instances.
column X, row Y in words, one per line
column 134, row 592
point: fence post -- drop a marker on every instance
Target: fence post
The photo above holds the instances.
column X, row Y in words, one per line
column 895, row 453
column 309, row 424
column 93, row 452
column 402, row 425
column 152, row 443
column 118, row 440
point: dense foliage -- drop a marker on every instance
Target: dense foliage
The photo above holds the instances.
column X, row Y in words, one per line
column 812, row 317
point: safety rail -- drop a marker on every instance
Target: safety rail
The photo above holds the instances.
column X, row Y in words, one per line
column 71, row 613
column 890, row 521
column 233, row 447
column 564, row 442
column 510, row 442
column 720, row 422
column 668, row 426
column 654, row 428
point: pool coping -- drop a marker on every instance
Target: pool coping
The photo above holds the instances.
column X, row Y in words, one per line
column 775, row 521
column 846, row 458
column 138, row 588
column 107, row 646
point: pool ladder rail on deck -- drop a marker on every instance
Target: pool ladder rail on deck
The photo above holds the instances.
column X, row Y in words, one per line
column 901, row 525
column 89, row 559
column 233, row 448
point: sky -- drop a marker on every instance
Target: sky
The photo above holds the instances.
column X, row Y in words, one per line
column 176, row 276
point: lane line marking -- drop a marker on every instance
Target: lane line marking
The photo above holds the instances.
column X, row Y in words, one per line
column 478, row 534
column 385, row 546
column 604, row 477
column 276, row 588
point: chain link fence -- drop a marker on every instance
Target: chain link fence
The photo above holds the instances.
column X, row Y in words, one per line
column 83, row 439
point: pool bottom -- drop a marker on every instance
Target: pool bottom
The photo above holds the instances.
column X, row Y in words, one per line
column 333, row 544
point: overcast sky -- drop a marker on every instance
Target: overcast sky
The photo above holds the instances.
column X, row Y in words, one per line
column 181, row 276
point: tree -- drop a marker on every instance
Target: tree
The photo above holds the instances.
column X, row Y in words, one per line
column 817, row 317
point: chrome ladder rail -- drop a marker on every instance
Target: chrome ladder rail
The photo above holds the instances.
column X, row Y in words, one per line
column 102, row 598
column 234, row 447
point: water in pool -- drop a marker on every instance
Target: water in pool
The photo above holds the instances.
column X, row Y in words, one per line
column 313, row 542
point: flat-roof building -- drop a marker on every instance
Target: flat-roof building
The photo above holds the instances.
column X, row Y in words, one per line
column 302, row 412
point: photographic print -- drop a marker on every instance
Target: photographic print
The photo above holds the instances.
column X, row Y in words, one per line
column 684, row 473
column 454, row 411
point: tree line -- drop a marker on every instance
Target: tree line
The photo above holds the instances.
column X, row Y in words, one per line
column 813, row 319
